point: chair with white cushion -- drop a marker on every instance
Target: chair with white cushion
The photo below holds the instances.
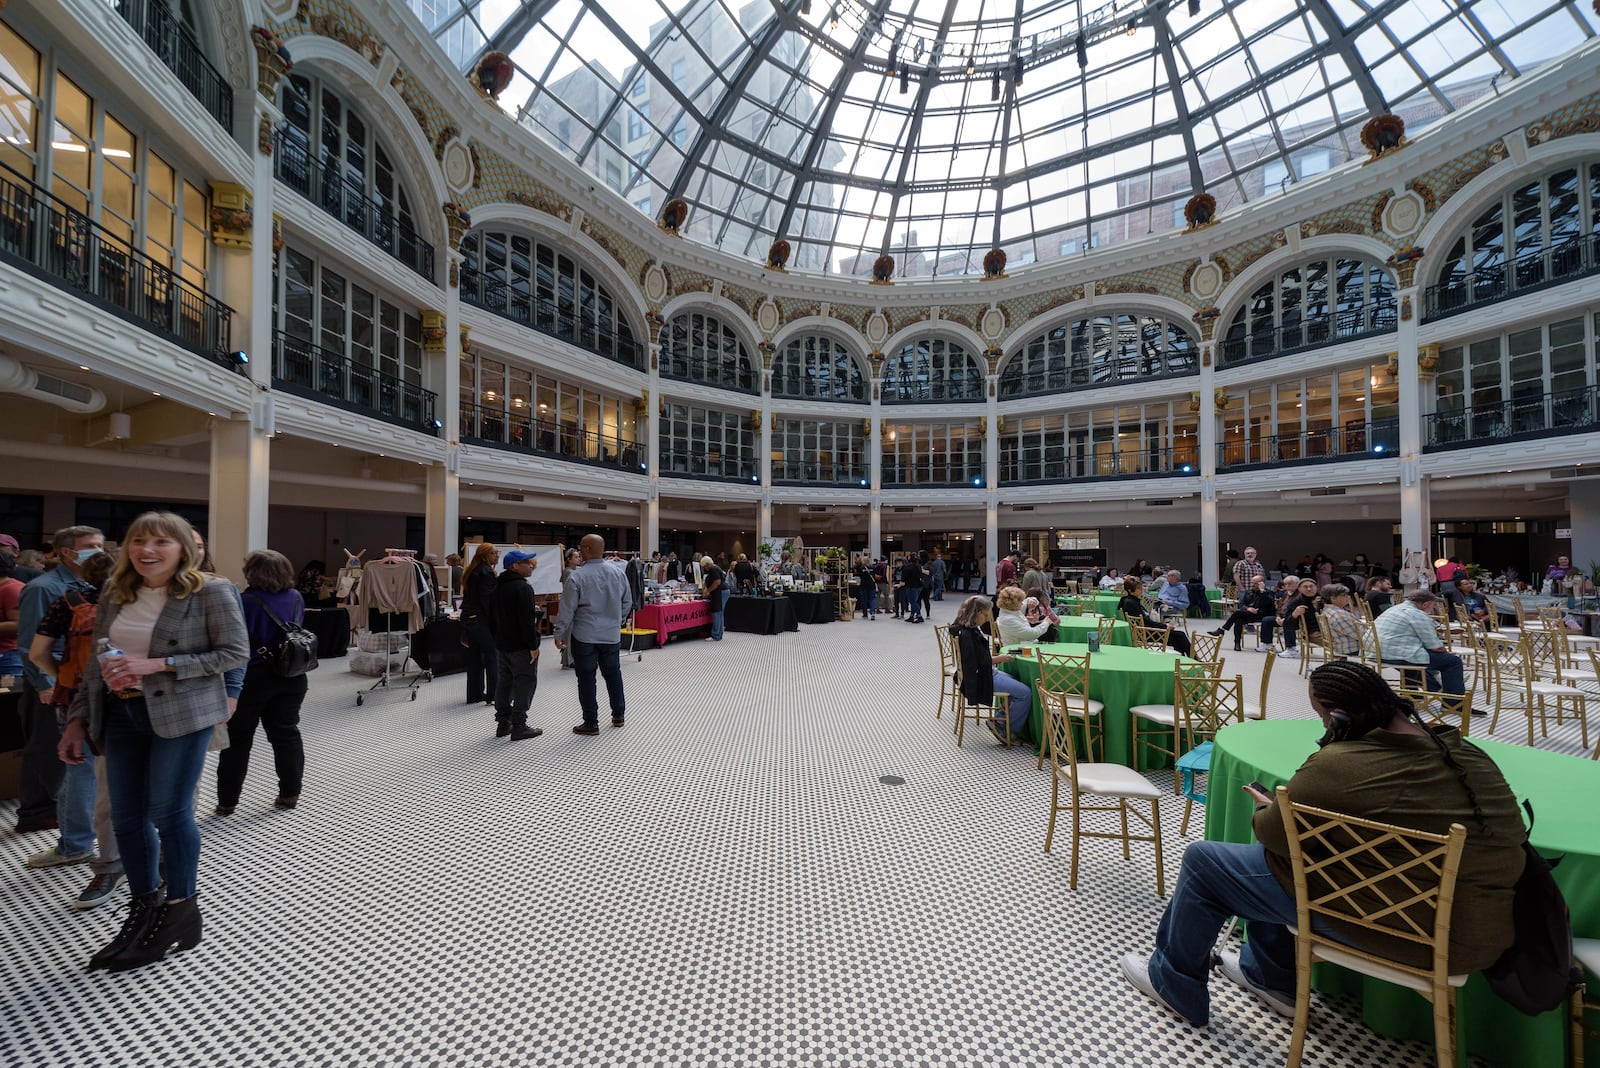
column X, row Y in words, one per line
column 1068, row 675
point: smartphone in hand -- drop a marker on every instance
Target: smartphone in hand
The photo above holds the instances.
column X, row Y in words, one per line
column 1255, row 787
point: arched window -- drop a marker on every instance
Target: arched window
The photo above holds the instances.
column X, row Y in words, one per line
column 542, row 287
column 932, row 369
column 329, row 154
column 1534, row 234
column 702, row 348
column 1114, row 347
column 1322, row 302
column 817, row 367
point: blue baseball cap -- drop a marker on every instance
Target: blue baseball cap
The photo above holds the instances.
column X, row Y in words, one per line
column 516, row 556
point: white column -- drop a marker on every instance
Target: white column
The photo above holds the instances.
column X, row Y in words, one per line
column 764, row 517
column 442, row 518
column 240, row 476
column 990, row 553
column 1415, row 528
column 442, row 374
column 1210, row 535
column 875, row 527
column 241, row 445
column 1583, row 511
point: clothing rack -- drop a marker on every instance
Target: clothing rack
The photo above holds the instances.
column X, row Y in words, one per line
column 383, row 597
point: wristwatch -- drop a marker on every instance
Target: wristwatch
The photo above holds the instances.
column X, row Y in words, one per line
column 172, row 662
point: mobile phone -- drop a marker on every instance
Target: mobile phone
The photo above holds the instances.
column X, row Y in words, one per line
column 1258, row 788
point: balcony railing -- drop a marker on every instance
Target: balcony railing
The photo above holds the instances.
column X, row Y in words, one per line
column 335, row 194
column 588, row 329
column 1575, row 411
column 1085, row 466
column 1310, row 332
column 709, row 465
column 47, row 237
column 175, row 46
column 1350, row 441
column 932, row 473
column 1573, row 258
column 516, row 431
column 320, row 374
column 820, row 473
column 708, row 371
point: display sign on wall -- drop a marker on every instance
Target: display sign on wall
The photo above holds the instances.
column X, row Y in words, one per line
column 1077, row 559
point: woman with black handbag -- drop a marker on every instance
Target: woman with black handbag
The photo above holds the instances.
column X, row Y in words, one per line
column 269, row 698
column 477, row 590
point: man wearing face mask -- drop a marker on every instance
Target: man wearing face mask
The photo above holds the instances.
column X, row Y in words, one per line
column 41, row 768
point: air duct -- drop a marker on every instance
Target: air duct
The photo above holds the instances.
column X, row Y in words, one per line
column 19, row 378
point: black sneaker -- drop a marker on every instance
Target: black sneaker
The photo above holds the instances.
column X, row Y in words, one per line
column 584, row 728
column 521, row 731
column 502, row 727
column 101, row 888
column 617, row 721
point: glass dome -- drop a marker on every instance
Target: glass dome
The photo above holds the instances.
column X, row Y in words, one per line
column 935, row 130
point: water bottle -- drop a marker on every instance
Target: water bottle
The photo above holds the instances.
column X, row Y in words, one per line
column 105, row 651
column 1093, row 640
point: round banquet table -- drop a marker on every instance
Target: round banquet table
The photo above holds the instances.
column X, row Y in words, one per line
column 1104, row 604
column 1565, row 792
column 1076, row 630
column 1120, row 678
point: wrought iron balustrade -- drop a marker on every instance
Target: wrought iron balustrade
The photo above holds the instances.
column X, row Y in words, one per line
column 515, row 430
column 1348, row 441
column 709, row 465
column 1576, row 257
column 1084, row 464
column 1537, row 415
column 588, row 330
column 821, row 473
column 175, row 45
column 1310, row 332
column 319, row 374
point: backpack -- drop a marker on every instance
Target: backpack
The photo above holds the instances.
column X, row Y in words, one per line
column 296, row 652
column 1537, row 973
column 80, row 647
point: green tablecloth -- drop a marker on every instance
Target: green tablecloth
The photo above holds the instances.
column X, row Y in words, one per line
column 1565, row 792
column 1104, row 604
column 1076, row 629
column 1119, row 677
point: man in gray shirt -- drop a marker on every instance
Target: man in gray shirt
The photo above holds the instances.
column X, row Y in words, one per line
column 594, row 601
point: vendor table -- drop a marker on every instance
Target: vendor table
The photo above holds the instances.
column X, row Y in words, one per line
column 1119, row 678
column 759, row 615
column 1565, row 793
column 813, row 607
column 332, row 628
column 437, row 647
column 669, row 619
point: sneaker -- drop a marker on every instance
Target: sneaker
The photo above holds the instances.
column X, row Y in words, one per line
column 522, row 731
column 100, row 890
column 54, row 858
column 617, row 721
column 585, row 729
column 1279, row 1003
column 1136, row 970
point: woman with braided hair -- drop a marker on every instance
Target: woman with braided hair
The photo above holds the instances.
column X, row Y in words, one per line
column 1376, row 761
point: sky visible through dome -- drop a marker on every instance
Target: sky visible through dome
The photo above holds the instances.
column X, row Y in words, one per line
column 935, row 130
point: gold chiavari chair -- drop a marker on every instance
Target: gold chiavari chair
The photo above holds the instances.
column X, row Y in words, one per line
column 1203, row 645
column 1096, row 780
column 1512, row 681
column 1257, row 709
column 947, row 668
column 1148, row 637
column 1310, row 646
column 1440, row 709
column 1414, row 882
column 1206, row 705
column 996, row 716
column 1068, row 675
column 1107, row 628
column 1154, row 724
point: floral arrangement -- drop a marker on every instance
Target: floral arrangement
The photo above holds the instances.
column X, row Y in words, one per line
column 1383, row 133
column 1200, row 211
column 994, row 263
column 456, row 213
column 272, row 43
column 1210, row 311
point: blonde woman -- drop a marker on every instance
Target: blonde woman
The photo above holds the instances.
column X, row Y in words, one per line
column 150, row 710
column 1013, row 625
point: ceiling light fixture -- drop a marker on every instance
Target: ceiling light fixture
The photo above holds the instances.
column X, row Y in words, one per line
column 1133, row 27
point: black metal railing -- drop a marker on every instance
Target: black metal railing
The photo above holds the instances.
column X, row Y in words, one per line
column 708, row 371
column 1574, row 258
column 308, row 370
column 1128, row 463
column 511, row 429
column 1538, row 415
column 953, row 389
column 174, row 44
column 820, row 473
column 709, row 465
column 932, row 473
column 1310, row 332
column 44, row 235
column 589, row 329
column 380, row 223
column 1349, row 441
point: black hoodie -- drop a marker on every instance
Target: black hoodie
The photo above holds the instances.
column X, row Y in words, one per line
column 513, row 616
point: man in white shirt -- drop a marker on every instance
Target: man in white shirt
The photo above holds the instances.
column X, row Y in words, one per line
column 1407, row 635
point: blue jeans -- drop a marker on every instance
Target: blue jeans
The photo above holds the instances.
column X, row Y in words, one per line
column 586, row 657
column 75, row 808
column 1219, row 880
column 11, row 663
column 868, row 595
column 1444, row 673
column 719, row 601
column 938, row 587
column 152, row 782
column 1021, row 695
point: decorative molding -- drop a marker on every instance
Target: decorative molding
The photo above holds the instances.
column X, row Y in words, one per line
column 540, row 199
column 264, row 136
column 272, row 60
column 231, row 216
column 433, row 332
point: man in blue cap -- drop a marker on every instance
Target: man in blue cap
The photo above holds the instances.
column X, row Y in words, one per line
column 514, row 618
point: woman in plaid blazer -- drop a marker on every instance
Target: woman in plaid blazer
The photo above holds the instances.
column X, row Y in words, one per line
column 151, row 711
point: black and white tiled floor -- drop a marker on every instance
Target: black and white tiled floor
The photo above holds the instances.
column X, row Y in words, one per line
column 724, row 881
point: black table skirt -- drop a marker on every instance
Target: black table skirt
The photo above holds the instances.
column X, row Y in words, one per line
column 332, row 628
column 437, row 647
column 11, row 719
column 813, row 607
column 759, row 615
